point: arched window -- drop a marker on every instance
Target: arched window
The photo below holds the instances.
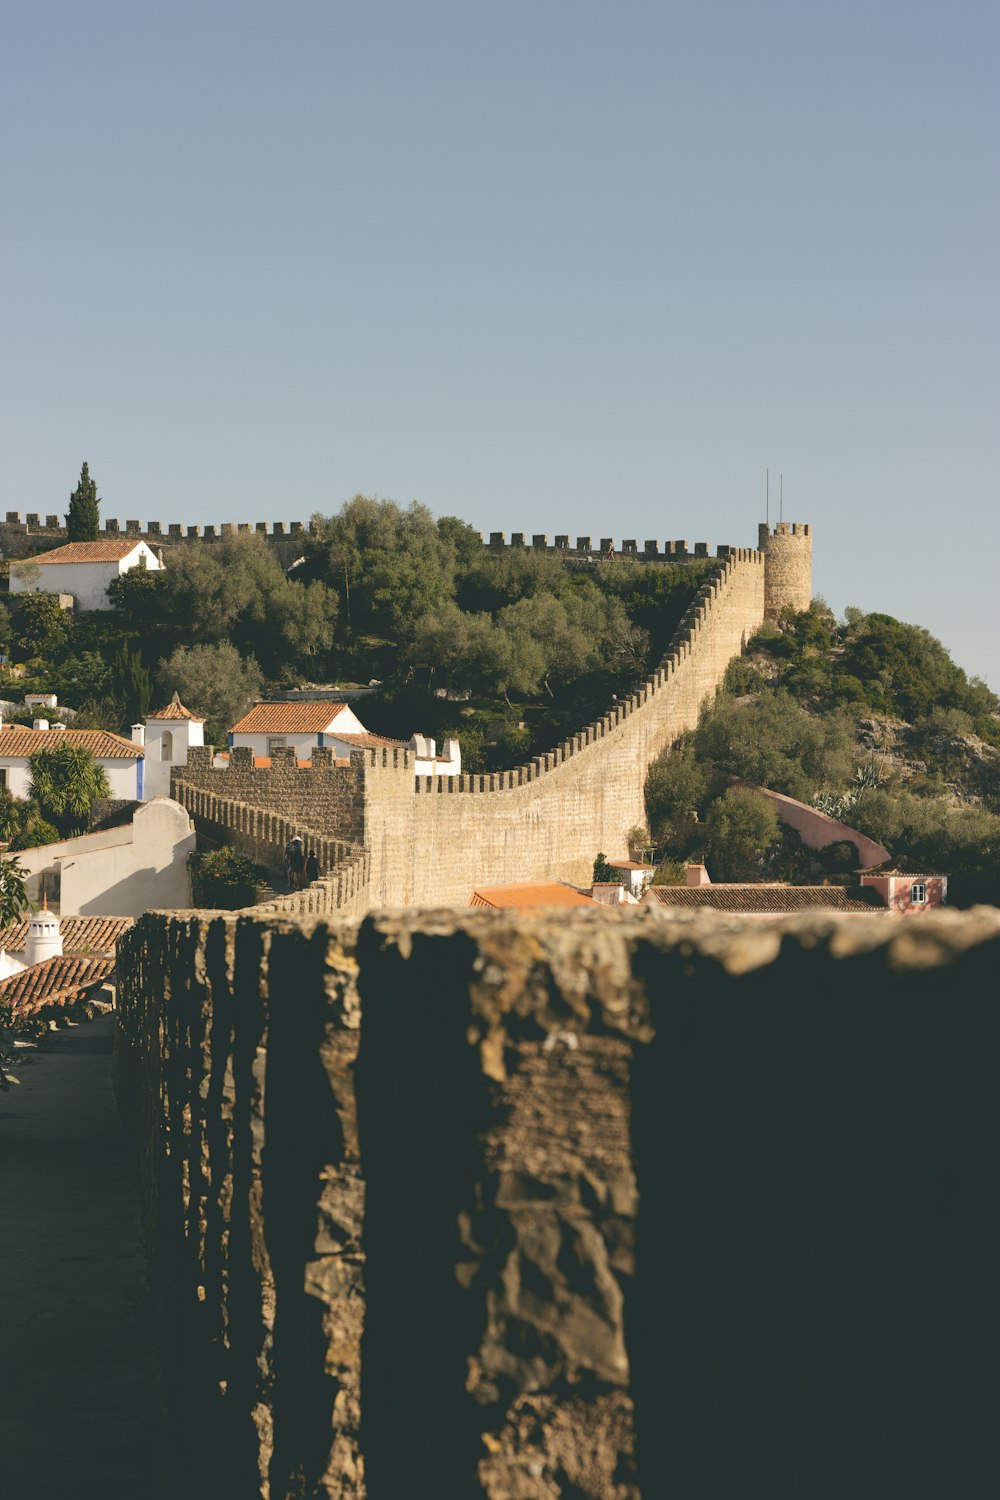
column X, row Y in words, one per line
column 166, row 745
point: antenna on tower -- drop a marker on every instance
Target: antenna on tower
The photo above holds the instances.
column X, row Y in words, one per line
column 781, row 497
column 767, row 497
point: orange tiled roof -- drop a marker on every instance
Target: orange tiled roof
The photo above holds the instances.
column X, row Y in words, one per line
column 368, row 741
column 525, row 893
column 263, row 762
column 18, row 741
column 80, row 935
column 765, row 900
column 55, row 981
column 176, row 710
column 87, row 552
column 288, row 718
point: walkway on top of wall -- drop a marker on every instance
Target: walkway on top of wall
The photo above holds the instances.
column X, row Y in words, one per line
column 82, row 1412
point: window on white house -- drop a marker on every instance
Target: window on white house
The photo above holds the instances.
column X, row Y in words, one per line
column 275, row 742
column 918, row 894
column 166, row 745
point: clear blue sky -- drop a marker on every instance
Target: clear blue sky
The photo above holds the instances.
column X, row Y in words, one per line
column 547, row 266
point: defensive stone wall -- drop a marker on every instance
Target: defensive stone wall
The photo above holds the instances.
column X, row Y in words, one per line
column 35, row 533
column 432, row 839
column 605, row 1206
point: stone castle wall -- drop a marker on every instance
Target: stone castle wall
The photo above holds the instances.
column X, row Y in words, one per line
column 38, row 533
column 604, row 1205
column 432, row 839
column 35, row 533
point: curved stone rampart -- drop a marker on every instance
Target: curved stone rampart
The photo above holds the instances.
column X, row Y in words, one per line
column 431, row 839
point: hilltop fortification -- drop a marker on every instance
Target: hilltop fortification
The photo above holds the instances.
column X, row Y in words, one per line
column 409, row 840
column 787, row 549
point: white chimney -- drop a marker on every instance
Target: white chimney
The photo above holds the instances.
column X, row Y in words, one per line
column 40, row 724
column 138, row 734
column 44, row 939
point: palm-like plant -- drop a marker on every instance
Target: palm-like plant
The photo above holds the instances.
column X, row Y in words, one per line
column 65, row 782
column 13, row 891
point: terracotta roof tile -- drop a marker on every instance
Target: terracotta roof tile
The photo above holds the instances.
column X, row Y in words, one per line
column 18, row 742
column 368, row 741
column 55, row 981
column 288, row 718
column 765, row 900
column 526, row 893
column 87, row 552
column 175, row 710
column 82, row 936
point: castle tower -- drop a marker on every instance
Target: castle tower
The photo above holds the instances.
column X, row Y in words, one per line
column 787, row 549
column 44, row 939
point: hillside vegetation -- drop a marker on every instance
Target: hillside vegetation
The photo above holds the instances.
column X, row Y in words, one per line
column 508, row 651
column 868, row 719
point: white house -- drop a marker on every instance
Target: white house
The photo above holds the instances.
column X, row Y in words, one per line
column 276, row 726
column 83, row 569
column 121, row 871
column 165, row 738
column 273, row 726
column 121, row 760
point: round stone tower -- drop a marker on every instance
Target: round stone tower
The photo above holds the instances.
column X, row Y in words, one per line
column 787, row 549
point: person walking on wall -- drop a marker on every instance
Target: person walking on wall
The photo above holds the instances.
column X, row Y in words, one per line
column 296, row 864
column 312, row 867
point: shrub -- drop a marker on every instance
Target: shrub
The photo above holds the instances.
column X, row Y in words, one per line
column 224, row 880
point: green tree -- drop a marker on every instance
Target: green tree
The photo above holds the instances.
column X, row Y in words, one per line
column 42, row 628
column 131, row 684
column 13, row 891
column 391, row 566
column 215, row 681
column 740, row 832
column 676, row 790
column 83, row 518
column 236, row 591
column 65, row 782
column 773, row 741
column 10, row 815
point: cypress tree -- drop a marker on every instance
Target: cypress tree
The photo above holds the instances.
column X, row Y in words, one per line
column 83, row 517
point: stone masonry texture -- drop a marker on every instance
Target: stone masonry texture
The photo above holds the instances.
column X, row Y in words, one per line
column 607, row 1205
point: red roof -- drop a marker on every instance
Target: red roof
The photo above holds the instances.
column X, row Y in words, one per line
column 80, row 935
column 54, row 982
column 17, row 742
column 176, row 710
column 289, row 718
column 765, row 900
column 88, row 552
column 525, row 893
column 368, row 741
